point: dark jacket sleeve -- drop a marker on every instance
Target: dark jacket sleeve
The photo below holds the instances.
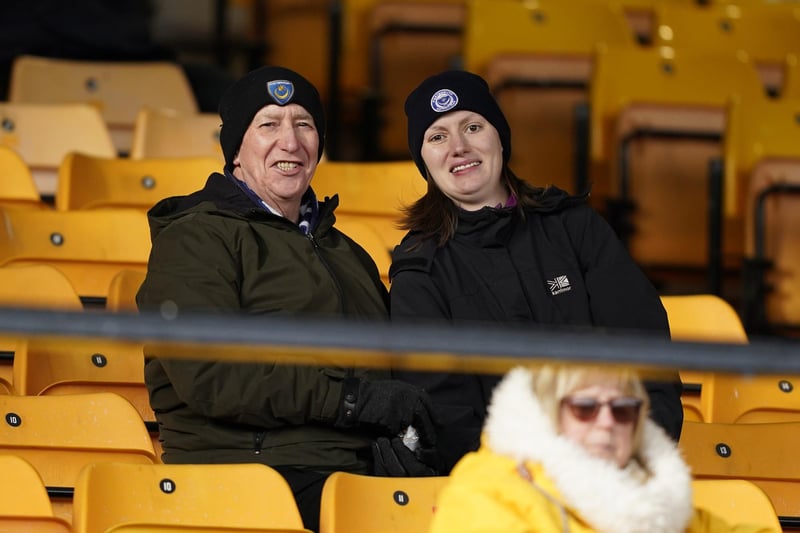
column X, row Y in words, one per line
column 621, row 297
column 193, row 268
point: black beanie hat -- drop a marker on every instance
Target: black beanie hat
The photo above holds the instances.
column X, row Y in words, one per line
column 452, row 90
column 260, row 87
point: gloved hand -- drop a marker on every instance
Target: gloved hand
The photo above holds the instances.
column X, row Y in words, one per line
column 389, row 406
column 393, row 459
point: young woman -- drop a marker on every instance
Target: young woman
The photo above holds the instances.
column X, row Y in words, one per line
column 486, row 246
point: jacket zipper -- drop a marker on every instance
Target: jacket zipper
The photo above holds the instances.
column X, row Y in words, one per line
column 310, row 237
column 258, row 440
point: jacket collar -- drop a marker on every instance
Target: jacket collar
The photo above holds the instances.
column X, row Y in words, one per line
column 653, row 495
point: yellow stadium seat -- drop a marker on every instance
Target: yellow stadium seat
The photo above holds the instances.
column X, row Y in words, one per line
column 736, row 501
column 88, row 246
column 733, row 398
column 408, row 41
column 232, row 497
column 167, row 133
column 656, row 121
column 762, row 155
column 37, row 286
column 43, row 134
column 701, row 318
column 86, row 182
column 117, row 89
column 122, row 292
column 537, row 58
column 759, row 453
column 371, row 192
column 56, row 367
column 353, row 503
column 17, row 188
column 544, row 27
column 24, row 504
column 370, row 239
column 763, row 31
column 31, row 286
column 724, row 397
column 282, row 21
column 60, row 435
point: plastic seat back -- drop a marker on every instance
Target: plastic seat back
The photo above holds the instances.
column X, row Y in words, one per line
column 701, row 318
column 24, row 503
column 116, row 89
column 656, row 121
column 37, row 286
column 370, row 239
column 86, row 182
column 55, row 367
column 736, row 501
column 371, row 192
column 353, row 503
column 31, row 286
column 763, row 31
column 408, row 41
column 733, row 398
column 283, row 20
column 122, row 292
column 88, row 246
column 537, row 58
column 43, row 134
column 242, row 497
column 763, row 157
column 17, row 188
column 167, row 133
column 60, row 435
column 753, row 452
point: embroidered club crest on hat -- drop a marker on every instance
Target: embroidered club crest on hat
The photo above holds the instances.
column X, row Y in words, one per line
column 444, row 100
column 446, row 92
column 242, row 100
column 281, row 91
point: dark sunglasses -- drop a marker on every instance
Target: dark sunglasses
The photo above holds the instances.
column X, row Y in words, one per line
column 625, row 410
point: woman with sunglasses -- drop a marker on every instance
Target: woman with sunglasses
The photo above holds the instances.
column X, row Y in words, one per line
column 570, row 448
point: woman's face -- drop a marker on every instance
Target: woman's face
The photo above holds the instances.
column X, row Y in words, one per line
column 464, row 156
column 278, row 154
column 602, row 419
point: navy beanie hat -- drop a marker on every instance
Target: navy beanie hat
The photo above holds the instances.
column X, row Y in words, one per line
column 265, row 85
column 452, row 90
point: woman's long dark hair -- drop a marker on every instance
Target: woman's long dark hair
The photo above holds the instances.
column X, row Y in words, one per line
column 436, row 216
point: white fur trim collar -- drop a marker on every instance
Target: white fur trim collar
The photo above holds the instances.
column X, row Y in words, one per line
column 611, row 499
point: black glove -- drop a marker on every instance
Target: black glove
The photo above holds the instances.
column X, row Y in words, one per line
column 391, row 458
column 389, row 406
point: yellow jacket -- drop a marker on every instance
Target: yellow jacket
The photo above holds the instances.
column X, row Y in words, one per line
column 526, row 478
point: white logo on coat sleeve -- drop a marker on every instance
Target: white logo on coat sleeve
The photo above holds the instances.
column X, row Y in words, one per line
column 559, row 285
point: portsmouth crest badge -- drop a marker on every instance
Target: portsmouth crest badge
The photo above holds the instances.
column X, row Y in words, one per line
column 281, row 91
column 443, row 100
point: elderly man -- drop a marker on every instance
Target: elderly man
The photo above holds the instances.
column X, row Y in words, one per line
column 256, row 241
